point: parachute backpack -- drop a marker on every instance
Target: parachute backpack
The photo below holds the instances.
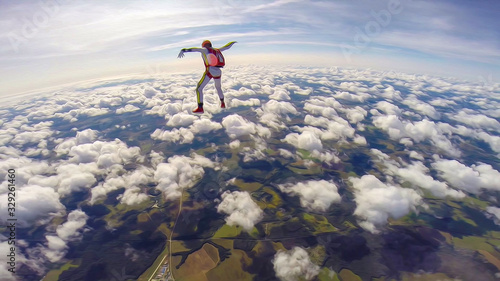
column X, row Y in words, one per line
column 215, row 58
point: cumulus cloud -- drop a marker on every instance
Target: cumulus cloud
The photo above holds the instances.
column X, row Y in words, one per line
column 274, row 113
column 306, row 140
column 249, row 102
column 418, row 132
column 280, row 94
column 164, row 109
column 471, row 179
column 180, row 172
column 477, row 120
column 294, row 265
column 314, row 195
column 421, row 107
column 32, row 134
column 493, row 141
column 494, row 213
column 237, row 126
column 240, row 207
column 376, row 201
column 321, row 110
column 181, row 135
column 181, row 119
column 443, row 102
column 133, row 196
column 56, row 248
column 388, row 108
column 416, row 174
column 204, row 126
column 185, row 135
column 356, row 114
column 127, row 108
column 34, row 205
column 358, row 97
column 82, row 137
column 104, row 154
column 70, row 229
column 334, row 128
column 131, row 181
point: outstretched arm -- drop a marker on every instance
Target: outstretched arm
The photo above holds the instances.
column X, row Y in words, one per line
column 181, row 53
column 227, row 46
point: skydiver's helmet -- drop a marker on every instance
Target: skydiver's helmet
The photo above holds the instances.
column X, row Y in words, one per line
column 206, row 44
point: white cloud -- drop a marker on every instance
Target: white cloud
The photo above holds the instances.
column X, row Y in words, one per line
column 105, row 154
column 493, row 141
column 494, row 213
column 376, row 201
column 294, row 265
column 234, row 144
column 314, row 195
column 470, row 179
column 316, row 109
column 237, row 126
column 416, row 174
column 360, row 140
column 130, row 181
column 418, row 132
column 442, row 102
column 34, row 205
column 306, row 140
column 56, row 248
column 133, row 196
column 32, row 134
column 256, row 152
column 336, row 127
column 391, row 94
column 85, row 136
column 358, row 97
column 181, row 135
column 422, row 107
column 179, row 173
column 250, row 102
column 274, row 112
column 75, row 222
column 164, row 109
column 388, row 108
column 127, row 108
column 181, row 119
column 477, row 120
column 416, row 155
column 356, row 114
column 240, row 207
column 204, row 126
column 280, row 94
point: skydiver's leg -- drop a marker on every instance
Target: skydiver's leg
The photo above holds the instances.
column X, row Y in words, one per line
column 199, row 88
column 216, row 73
column 218, row 86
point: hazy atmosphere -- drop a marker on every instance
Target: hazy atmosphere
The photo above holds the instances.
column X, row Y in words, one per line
column 46, row 43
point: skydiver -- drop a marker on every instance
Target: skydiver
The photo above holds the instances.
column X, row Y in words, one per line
column 214, row 62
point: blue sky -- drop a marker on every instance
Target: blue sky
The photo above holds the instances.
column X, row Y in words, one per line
column 47, row 43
